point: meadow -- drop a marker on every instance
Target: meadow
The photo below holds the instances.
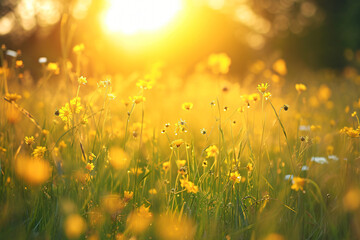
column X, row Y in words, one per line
column 158, row 155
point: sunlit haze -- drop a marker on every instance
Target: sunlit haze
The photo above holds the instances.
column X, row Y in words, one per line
column 135, row 16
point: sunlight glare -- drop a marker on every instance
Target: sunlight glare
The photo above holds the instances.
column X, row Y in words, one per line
column 135, row 16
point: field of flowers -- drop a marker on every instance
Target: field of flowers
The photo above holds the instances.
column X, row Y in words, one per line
column 157, row 155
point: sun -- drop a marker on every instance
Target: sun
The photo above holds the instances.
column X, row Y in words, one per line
column 130, row 17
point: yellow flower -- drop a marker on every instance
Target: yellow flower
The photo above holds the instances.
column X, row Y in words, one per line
column 187, row 106
column 89, row 166
column 351, row 132
column 267, row 95
column 262, row 87
column 180, row 163
column 353, row 114
column 298, row 183
column 300, row 87
column 128, row 195
column 12, row 97
column 74, row 226
column 53, row 67
column 137, row 171
column 29, row 140
column 19, row 64
column 153, row 191
column 166, row 166
column 65, row 113
column 45, row 132
column 204, row 163
column 177, row 143
column 92, row 156
column 250, row 167
column 351, row 200
column 190, row 186
column 82, row 80
column 62, row 144
column 212, row 151
column 147, row 82
column 235, row 177
column 219, row 63
column 137, row 99
column 75, row 105
column 39, row 152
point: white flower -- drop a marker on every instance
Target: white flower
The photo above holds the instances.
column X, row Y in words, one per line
column 320, row 160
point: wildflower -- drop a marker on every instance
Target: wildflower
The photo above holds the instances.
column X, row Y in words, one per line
column 254, row 97
column 250, row 167
column 29, row 140
column 166, row 166
column 203, row 131
column 204, row 164
column 212, row 151
column 75, row 105
column 267, row 95
column 65, row 113
column 45, row 132
column 180, row 127
column 182, row 170
column 92, row 156
column 39, row 152
column 104, row 83
column 12, row 97
column 79, row 48
column 62, row 144
column 146, row 83
column 137, row 171
column 262, row 87
column 300, row 87
column 82, row 80
column 139, row 220
column 177, row 143
column 128, row 195
column 137, row 99
column 89, row 166
column 190, row 186
column 235, row 177
column 353, row 133
column 74, row 226
column 298, row 183
column 180, row 163
column 53, row 67
column 187, row 106
column 152, row 191
column 320, row 160
column 111, row 96
column 353, row 114
column 219, row 63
